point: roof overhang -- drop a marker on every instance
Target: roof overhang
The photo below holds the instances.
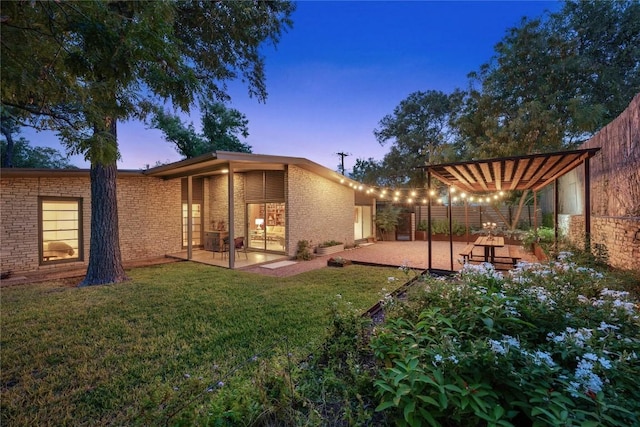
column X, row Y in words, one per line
column 530, row 172
column 220, row 162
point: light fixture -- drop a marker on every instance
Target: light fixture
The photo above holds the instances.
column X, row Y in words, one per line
column 259, row 223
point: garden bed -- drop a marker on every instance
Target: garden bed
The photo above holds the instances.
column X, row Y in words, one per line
column 328, row 250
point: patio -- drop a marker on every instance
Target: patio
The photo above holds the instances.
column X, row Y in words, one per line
column 412, row 254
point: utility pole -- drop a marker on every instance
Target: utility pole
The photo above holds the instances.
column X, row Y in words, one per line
column 342, row 156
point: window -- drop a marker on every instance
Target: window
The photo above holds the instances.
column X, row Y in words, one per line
column 60, row 229
column 196, row 224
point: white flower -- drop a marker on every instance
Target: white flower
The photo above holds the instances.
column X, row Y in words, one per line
column 540, row 357
column 497, row 347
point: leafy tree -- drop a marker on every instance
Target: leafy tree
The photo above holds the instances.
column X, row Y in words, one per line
column 220, row 127
column 421, row 132
column 554, row 82
column 8, row 126
column 367, row 171
column 26, row 156
column 80, row 67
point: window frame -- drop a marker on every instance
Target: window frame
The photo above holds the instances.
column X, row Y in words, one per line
column 41, row 201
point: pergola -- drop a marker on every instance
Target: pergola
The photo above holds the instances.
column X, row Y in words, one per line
column 530, row 172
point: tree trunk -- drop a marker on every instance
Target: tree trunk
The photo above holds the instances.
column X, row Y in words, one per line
column 7, row 162
column 105, row 259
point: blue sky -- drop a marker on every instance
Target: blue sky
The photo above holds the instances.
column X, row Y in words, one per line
column 343, row 67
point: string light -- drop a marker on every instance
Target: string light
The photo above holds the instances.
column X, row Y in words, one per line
column 411, row 196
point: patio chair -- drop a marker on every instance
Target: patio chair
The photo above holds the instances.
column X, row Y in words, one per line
column 238, row 245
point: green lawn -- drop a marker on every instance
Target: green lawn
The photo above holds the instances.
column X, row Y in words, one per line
column 119, row 354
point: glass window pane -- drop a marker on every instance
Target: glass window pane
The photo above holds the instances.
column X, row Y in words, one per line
column 60, row 230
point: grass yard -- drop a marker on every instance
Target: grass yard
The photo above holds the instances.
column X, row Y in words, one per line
column 124, row 354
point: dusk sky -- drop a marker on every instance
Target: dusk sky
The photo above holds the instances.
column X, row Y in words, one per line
column 343, row 67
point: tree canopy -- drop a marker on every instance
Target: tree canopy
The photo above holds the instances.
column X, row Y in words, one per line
column 421, row 132
column 220, row 129
column 26, row 156
column 554, row 82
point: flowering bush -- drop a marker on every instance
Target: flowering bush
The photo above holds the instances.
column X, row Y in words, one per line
column 543, row 345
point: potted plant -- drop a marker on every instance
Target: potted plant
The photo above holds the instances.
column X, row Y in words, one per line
column 329, row 247
column 387, row 220
column 421, row 230
column 337, row 261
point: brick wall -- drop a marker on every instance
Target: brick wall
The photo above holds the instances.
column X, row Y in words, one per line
column 318, row 209
column 620, row 236
column 149, row 213
column 218, row 202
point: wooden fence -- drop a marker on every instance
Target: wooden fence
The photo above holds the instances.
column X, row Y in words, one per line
column 615, row 170
column 479, row 214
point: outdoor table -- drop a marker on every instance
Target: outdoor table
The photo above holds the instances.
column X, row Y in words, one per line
column 489, row 243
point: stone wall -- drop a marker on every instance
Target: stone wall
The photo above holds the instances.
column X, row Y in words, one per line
column 148, row 214
column 318, row 209
column 619, row 235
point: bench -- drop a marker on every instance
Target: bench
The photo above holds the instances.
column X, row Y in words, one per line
column 514, row 255
column 510, row 253
column 467, row 253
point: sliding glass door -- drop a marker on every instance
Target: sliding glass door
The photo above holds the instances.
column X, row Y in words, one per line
column 266, row 226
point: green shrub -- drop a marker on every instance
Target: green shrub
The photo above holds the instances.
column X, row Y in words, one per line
column 546, row 345
column 441, row 226
column 303, row 251
column 543, row 236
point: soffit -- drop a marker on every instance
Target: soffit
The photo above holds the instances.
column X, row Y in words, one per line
column 530, row 172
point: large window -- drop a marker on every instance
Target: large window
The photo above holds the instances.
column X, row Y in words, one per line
column 60, row 229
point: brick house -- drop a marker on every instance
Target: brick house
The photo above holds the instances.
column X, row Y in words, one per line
column 272, row 202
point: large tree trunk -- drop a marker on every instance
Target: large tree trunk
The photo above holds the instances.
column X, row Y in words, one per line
column 105, row 259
